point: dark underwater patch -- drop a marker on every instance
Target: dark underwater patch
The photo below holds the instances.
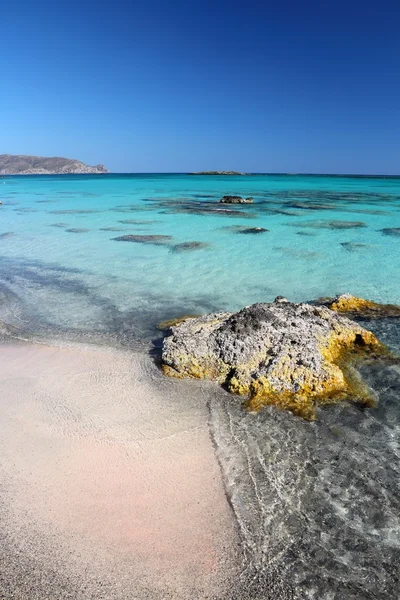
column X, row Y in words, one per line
column 6, row 234
column 73, row 212
column 392, row 231
column 197, row 207
column 252, row 230
column 311, row 206
column 355, row 246
column 329, row 224
column 137, row 222
column 368, row 211
column 188, row 246
column 111, row 229
column 298, row 252
column 77, row 230
column 155, row 240
column 63, row 225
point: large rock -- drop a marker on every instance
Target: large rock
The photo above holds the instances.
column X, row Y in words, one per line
column 290, row 355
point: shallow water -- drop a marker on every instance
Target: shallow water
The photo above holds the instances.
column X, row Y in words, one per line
column 317, row 503
column 75, row 279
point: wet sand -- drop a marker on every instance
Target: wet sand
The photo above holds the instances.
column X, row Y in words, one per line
column 109, row 486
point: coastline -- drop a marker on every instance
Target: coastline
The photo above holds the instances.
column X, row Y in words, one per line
column 110, row 485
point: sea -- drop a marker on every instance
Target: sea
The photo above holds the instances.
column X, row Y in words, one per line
column 104, row 259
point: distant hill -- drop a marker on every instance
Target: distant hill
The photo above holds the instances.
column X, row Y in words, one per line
column 18, row 164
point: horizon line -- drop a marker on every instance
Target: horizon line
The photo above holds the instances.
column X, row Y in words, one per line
column 239, row 174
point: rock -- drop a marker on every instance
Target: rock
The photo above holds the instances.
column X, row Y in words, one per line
column 310, row 206
column 294, row 356
column 236, row 200
column 156, row 240
column 111, row 229
column 77, row 230
column 330, row 224
column 137, row 221
column 355, row 246
column 251, row 230
column 393, row 231
column 165, row 325
column 188, row 246
column 243, row 229
column 358, row 307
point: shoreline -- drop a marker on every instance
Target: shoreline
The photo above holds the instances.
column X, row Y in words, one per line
column 109, row 479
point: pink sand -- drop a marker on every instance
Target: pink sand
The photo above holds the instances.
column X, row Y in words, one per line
column 109, row 470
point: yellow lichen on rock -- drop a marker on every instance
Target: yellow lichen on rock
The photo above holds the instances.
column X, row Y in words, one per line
column 352, row 305
column 164, row 325
column 293, row 356
column 191, row 368
column 339, row 382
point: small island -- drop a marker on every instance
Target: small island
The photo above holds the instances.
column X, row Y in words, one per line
column 218, row 173
column 19, row 164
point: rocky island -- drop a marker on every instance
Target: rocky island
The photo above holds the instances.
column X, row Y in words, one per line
column 294, row 356
column 218, row 173
column 19, row 164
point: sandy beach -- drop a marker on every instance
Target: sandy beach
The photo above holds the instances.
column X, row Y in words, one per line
column 109, row 483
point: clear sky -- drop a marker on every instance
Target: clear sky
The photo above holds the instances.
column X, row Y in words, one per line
column 283, row 86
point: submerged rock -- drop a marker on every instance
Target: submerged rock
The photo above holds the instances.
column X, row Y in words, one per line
column 252, row 230
column 188, row 246
column 156, row 240
column 330, row 224
column 77, row 230
column 298, row 252
column 82, row 211
column 137, row 222
column 393, row 231
column 358, row 307
column 165, row 325
column 294, row 356
column 306, row 233
column 310, row 206
column 356, row 246
column 243, row 229
column 236, row 200
column 111, row 229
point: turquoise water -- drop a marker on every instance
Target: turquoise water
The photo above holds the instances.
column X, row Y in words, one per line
column 324, row 237
column 317, row 504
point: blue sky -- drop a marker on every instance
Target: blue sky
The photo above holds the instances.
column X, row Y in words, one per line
column 289, row 86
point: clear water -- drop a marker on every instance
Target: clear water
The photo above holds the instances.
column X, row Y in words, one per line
column 87, row 281
column 317, row 504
